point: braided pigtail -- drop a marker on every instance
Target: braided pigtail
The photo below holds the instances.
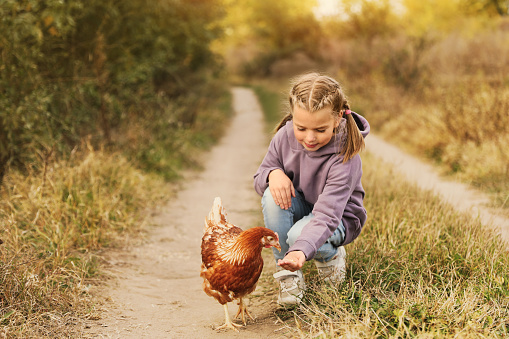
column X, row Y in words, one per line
column 354, row 140
column 283, row 121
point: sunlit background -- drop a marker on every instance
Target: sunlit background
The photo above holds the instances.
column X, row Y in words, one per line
column 103, row 102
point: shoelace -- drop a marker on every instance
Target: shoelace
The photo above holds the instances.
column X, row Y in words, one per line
column 289, row 284
column 327, row 271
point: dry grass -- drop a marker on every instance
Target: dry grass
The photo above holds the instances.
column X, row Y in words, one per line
column 58, row 217
column 441, row 98
column 418, row 270
column 53, row 224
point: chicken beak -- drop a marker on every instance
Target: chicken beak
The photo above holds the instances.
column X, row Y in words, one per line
column 278, row 246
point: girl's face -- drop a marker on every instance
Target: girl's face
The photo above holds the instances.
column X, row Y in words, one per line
column 314, row 130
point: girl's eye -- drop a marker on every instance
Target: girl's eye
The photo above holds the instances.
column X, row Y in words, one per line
column 320, row 130
column 300, row 129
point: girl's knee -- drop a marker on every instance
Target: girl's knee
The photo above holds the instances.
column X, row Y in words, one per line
column 297, row 228
column 267, row 197
column 293, row 234
column 269, row 206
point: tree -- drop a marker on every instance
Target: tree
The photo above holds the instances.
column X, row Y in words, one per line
column 271, row 30
column 69, row 69
column 491, row 7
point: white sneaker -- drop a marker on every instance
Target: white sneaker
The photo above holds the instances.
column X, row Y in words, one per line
column 334, row 270
column 291, row 287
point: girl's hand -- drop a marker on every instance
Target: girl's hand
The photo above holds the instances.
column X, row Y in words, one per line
column 293, row 261
column 281, row 188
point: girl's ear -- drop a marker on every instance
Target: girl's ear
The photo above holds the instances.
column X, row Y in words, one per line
column 337, row 120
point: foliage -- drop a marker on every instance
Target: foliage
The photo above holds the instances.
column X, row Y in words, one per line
column 276, row 28
column 365, row 19
column 95, row 96
column 57, row 221
column 436, row 89
column 165, row 140
column 491, row 7
column 72, row 69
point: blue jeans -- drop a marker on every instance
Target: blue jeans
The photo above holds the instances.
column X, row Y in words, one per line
column 289, row 224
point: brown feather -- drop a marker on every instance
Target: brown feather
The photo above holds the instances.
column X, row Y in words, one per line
column 231, row 258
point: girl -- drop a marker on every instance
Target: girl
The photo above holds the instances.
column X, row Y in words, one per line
column 310, row 183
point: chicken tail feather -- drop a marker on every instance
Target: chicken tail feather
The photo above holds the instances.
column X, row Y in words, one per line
column 217, row 214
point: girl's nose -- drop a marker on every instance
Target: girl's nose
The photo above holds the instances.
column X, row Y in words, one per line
column 310, row 136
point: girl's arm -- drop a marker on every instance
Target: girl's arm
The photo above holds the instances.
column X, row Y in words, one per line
column 328, row 210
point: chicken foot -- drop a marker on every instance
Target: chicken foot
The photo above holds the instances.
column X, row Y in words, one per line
column 243, row 311
column 228, row 322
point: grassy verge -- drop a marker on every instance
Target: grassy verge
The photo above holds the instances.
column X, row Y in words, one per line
column 419, row 269
column 272, row 105
column 443, row 98
column 54, row 223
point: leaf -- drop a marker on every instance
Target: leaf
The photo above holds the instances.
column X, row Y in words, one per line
column 48, row 20
column 53, row 31
column 399, row 313
column 7, row 315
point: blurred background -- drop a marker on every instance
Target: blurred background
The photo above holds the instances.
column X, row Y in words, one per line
column 103, row 103
column 431, row 75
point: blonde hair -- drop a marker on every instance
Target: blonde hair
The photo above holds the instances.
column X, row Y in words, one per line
column 313, row 92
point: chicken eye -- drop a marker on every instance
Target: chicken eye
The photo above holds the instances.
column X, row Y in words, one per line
column 270, row 238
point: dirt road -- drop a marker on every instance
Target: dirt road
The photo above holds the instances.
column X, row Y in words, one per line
column 460, row 196
column 158, row 291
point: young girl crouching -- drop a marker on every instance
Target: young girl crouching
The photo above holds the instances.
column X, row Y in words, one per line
column 310, row 183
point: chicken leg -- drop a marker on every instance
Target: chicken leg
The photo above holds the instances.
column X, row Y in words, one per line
column 228, row 323
column 243, row 311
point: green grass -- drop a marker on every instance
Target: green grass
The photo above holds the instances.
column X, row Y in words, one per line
column 419, row 269
column 273, row 105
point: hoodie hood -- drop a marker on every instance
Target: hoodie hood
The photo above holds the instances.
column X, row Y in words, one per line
column 336, row 141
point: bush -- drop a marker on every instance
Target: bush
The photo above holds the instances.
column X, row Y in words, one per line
column 73, row 69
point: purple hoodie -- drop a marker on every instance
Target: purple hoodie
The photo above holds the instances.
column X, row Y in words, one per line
column 333, row 187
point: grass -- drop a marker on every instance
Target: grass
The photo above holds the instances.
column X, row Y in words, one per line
column 442, row 97
column 418, row 270
column 55, row 223
column 450, row 109
column 272, row 105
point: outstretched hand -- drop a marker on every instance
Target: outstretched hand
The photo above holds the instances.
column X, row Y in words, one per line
column 293, row 261
column 281, row 188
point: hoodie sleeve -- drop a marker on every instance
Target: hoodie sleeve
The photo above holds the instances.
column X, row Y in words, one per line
column 271, row 161
column 329, row 208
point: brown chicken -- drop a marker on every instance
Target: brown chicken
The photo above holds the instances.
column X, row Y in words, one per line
column 232, row 260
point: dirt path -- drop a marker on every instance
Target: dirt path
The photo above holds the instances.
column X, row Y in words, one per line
column 158, row 291
column 460, row 196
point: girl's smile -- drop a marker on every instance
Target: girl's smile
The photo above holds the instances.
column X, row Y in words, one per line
column 314, row 130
